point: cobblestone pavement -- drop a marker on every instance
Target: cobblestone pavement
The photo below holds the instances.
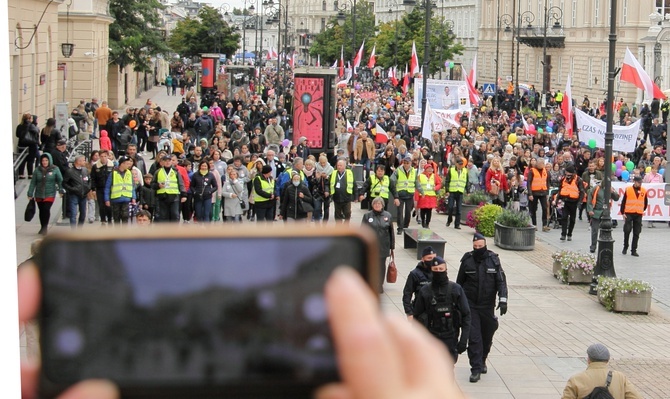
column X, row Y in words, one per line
column 542, row 340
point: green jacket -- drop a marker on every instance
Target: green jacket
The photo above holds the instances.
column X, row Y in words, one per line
column 597, row 209
column 46, row 182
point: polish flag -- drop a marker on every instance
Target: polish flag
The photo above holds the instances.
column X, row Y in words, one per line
column 341, row 73
column 427, row 127
column 414, row 61
column 318, row 60
column 334, row 65
column 349, row 127
column 381, row 137
column 393, row 75
column 471, row 79
column 359, row 56
column 291, row 61
column 566, row 108
column 371, row 63
column 632, row 72
column 273, row 53
column 405, row 81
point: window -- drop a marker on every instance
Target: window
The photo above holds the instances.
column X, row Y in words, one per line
column 624, row 14
column 663, row 6
column 596, row 13
column 589, row 82
column 603, row 77
column 323, row 5
column 323, row 24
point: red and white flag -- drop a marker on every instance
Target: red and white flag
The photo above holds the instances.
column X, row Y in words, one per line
column 393, row 75
column 566, row 108
column 471, row 80
column 334, row 65
column 341, row 73
column 291, row 61
column 318, row 60
column 371, row 63
column 273, row 53
column 405, row 81
column 427, row 126
column 381, row 137
column 349, row 127
column 632, row 72
column 359, row 56
column 414, row 61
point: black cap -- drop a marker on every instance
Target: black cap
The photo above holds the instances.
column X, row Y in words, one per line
column 637, row 179
column 166, row 158
column 570, row 169
column 477, row 237
column 427, row 251
column 124, row 158
column 61, row 142
column 266, row 169
column 438, row 260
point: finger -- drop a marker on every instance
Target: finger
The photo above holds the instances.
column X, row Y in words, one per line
column 28, row 284
column 29, row 377
column 92, row 389
column 368, row 361
column 420, row 351
column 334, row 391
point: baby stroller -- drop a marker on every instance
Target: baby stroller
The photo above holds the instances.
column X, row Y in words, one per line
column 165, row 141
column 555, row 211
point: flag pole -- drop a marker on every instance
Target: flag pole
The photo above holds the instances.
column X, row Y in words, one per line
column 605, row 262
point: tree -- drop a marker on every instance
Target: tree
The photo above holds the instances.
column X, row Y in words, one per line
column 136, row 33
column 242, row 11
column 207, row 34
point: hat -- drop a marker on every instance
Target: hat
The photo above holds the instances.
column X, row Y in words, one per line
column 124, row 158
column 438, row 261
column 148, row 176
column 637, row 179
column 166, row 158
column 570, row 169
column 643, row 141
column 477, row 237
column 407, row 158
column 61, row 142
column 303, row 138
column 427, row 251
column 459, row 161
column 266, row 169
column 598, row 353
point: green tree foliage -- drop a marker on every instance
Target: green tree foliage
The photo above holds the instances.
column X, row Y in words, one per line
column 136, row 33
column 210, row 34
column 241, row 11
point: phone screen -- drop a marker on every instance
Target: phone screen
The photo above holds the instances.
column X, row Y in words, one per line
column 238, row 314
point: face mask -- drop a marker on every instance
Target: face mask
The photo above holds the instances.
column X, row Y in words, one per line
column 295, row 183
column 440, row 278
column 427, row 263
column 479, row 253
column 397, row 137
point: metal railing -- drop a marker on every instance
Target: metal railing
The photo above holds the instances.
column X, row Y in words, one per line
column 18, row 160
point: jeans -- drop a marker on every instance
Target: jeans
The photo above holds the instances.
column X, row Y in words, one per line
column 321, row 209
column 265, row 213
column 76, row 202
column 120, row 212
column 203, row 209
column 404, row 212
column 454, row 206
column 167, row 211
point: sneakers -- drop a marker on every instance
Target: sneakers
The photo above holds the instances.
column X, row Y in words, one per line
column 474, row 377
column 562, row 238
column 569, row 238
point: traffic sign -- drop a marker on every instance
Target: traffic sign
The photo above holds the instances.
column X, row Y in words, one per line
column 489, row 89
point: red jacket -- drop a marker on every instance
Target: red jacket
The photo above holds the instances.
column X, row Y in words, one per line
column 428, row 201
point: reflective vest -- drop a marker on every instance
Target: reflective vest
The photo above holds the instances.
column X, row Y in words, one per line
column 290, row 173
column 594, row 196
column 634, row 203
column 170, row 181
column 379, row 189
column 350, row 181
column 122, row 186
column 268, row 187
column 457, row 180
column 539, row 182
column 427, row 185
column 570, row 190
column 559, row 97
column 406, row 182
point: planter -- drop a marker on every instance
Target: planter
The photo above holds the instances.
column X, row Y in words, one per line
column 575, row 276
column 633, row 303
column 465, row 209
column 515, row 238
column 556, row 268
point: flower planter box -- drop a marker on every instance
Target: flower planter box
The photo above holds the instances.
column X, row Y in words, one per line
column 515, row 238
column 556, row 268
column 575, row 276
column 633, row 303
column 465, row 209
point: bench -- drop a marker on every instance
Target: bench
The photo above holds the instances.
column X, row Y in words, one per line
column 422, row 238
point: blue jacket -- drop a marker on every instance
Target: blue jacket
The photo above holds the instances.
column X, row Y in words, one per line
column 108, row 189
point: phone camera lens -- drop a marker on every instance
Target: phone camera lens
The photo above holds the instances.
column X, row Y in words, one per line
column 69, row 341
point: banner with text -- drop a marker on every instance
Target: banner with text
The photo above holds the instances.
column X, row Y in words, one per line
column 656, row 208
column 590, row 128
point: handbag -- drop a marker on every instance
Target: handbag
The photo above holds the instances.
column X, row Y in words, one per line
column 494, row 190
column 306, row 206
column 392, row 271
column 30, row 210
column 243, row 204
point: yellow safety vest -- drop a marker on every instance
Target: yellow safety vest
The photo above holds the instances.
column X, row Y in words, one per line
column 170, row 181
column 457, row 181
column 350, row 181
column 428, row 186
column 290, row 174
column 267, row 187
column 379, row 189
column 122, row 186
column 406, row 182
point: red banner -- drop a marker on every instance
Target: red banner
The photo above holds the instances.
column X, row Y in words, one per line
column 208, row 72
column 308, row 111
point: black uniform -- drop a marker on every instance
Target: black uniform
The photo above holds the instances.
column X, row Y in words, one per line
column 481, row 278
column 382, row 224
column 417, row 278
column 444, row 311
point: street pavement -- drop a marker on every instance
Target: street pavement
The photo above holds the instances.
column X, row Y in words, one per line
column 542, row 340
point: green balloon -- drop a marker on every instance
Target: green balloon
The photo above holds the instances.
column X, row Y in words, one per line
column 613, row 167
column 592, row 143
column 540, row 130
column 630, row 166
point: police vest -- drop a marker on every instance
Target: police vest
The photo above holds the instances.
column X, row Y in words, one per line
column 267, row 187
column 457, row 180
column 441, row 313
column 336, row 176
column 122, row 186
column 634, row 203
column 570, row 190
column 539, row 182
column 406, row 181
column 428, row 185
column 379, row 188
column 170, row 181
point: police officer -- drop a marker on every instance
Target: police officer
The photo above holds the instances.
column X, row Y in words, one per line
column 481, row 275
column 420, row 276
column 446, row 309
column 633, row 205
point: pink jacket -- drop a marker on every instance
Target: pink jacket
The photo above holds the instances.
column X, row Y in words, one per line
column 105, row 142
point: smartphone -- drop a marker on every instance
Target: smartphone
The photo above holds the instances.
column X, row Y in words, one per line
column 194, row 313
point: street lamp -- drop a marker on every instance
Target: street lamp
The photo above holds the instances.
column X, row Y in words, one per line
column 341, row 18
column 554, row 14
column 505, row 19
column 408, row 5
column 244, row 28
column 525, row 17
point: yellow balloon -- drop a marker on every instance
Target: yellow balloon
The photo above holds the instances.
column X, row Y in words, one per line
column 480, row 129
column 512, row 138
column 648, row 169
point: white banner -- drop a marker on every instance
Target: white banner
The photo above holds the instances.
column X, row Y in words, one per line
column 590, row 128
column 656, row 208
column 449, row 95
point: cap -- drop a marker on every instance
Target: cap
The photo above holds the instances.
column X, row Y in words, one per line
column 148, row 176
column 569, row 169
column 407, row 158
column 166, row 158
column 266, row 169
column 459, row 161
column 477, row 237
column 438, row 261
column 643, row 141
column 637, row 179
column 303, row 138
column 427, row 251
column 61, row 142
column 598, row 353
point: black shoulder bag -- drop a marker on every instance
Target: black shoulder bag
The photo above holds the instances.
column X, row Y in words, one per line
column 602, row 392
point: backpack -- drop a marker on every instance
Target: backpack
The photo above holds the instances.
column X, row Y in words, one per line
column 602, row 392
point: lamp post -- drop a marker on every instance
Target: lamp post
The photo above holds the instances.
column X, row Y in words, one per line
column 341, row 18
column 244, row 28
column 277, row 8
column 525, row 17
column 507, row 20
column 605, row 262
column 555, row 14
column 449, row 24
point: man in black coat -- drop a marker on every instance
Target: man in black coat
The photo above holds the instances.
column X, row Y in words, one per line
column 77, row 184
column 417, row 278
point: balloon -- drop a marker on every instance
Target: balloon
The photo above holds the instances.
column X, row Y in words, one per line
column 465, row 161
column 480, row 129
column 618, row 173
column 625, row 175
column 512, row 138
column 392, row 103
column 647, row 169
column 549, row 129
column 539, row 130
column 661, row 171
column 132, row 123
column 592, row 143
column 618, row 164
column 550, row 123
column 285, row 143
column 623, row 167
column 614, row 168
column 630, row 165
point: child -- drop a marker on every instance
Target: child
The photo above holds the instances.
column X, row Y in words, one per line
column 523, row 194
column 147, row 196
column 105, row 142
column 516, row 191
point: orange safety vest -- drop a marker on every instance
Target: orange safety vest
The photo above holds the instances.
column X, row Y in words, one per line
column 594, row 197
column 539, row 182
column 635, row 204
column 570, row 190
